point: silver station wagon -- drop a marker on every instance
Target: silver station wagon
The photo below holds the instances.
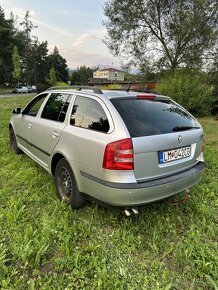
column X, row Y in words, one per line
column 121, row 148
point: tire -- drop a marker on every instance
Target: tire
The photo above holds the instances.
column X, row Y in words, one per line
column 13, row 142
column 66, row 186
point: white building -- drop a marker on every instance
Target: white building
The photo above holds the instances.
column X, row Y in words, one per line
column 111, row 74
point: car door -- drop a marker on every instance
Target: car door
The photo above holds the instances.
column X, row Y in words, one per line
column 84, row 138
column 29, row 114
column 47, row 129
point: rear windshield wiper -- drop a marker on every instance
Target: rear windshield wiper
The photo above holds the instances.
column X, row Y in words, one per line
column 183, row 128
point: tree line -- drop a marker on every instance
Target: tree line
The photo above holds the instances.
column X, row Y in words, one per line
column 23, row 57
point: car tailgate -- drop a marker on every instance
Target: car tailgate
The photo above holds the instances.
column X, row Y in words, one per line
column 147, row 153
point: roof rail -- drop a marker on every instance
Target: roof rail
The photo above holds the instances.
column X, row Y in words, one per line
column 77, row 88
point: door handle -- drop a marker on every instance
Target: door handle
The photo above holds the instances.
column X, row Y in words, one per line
column 29, row 125
column 55, row 134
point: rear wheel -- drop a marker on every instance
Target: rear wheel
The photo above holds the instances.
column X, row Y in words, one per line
column 66, row 185
column 13, row 142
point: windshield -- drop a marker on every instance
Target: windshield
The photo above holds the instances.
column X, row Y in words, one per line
column 145, row 117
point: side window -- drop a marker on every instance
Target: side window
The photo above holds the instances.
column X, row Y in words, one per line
column 56, row 107
column 88, row 113
column 33, row 108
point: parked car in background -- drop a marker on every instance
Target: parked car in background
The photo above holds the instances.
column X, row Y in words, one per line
column 20, row 90
column 121, row 148
column 31, row 89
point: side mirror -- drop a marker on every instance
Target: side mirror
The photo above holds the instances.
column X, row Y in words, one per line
column 16, row 111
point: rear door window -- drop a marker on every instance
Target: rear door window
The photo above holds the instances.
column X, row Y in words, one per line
column 89, row 114
column 146, row 117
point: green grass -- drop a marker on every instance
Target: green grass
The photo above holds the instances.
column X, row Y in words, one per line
column 5, row 90
column 46, row 245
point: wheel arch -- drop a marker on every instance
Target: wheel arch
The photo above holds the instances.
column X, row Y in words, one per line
column 54, row 161
column 76, row 199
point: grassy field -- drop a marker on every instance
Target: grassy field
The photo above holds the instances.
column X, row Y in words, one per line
column 5, row 90
column 46, row 245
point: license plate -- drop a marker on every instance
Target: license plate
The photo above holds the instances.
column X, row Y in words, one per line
column 174, row 154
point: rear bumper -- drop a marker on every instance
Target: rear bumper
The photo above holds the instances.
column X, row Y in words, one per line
column 139, row 193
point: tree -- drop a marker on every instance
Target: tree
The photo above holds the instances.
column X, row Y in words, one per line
column 16, row 63
column 59, row 64
column 27, row 56
column 52, row 76
column 213, row 74
column 81, row 75
column 75, row 78
column 162, row 33
column 37, row 65
column 6, row 48
column 28, row 27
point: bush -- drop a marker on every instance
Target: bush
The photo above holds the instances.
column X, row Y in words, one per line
column 188, row 89
column 111, row 87
column 61, row 84
column 41, row 87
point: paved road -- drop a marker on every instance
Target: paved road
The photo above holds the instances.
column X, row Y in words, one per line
column 7, row 95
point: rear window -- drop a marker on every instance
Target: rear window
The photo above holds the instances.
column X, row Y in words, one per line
column 145, row 117
column 88, row 114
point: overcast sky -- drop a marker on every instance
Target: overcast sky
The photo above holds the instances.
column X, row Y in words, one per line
column 74, row 26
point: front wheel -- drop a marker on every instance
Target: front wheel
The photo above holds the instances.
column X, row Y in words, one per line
column 13, row 142
column 66, row 185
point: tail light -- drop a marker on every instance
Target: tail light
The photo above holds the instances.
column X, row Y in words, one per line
column 118, row 155
column 201, row 156
column 146, row 97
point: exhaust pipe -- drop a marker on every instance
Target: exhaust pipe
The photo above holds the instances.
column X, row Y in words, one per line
column 134, row 210
column 128, row 212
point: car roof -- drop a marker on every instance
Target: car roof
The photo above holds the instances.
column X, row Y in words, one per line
column 110, row 94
